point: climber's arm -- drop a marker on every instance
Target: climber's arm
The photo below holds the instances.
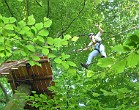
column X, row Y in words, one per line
column 86, row 48
column 99, row 34
column 99, row 28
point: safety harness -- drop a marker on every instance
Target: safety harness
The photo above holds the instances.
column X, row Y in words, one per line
column 98, row 46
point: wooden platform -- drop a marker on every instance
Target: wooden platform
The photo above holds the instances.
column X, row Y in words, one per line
column 18, row 72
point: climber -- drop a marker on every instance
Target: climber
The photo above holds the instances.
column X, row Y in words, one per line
column 96, row 43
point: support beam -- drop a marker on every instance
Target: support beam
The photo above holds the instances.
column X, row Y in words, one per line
column 18, row 101
column 5, row 92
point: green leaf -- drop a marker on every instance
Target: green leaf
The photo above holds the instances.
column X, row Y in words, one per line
column 67, row 37
column 33, row 30
column 36, row 58
column 103, row 75
column 20, row 0
column 9, row 27
column 119, row 48
column 7, row 52
column 50, row 40
column 71, row 63
column 65, row 56
column 58, row 60
column 134, row 38
column 51, row 55
column 41, row 39
column 31, row 48
column 123, row 90
column 133, row 108
column 34, row 92
column 105, row 62
column 24, row 30
column 64, row 42
column 42, row 95
column 106, row 93
column 23, row 53
column 97, row 1
column 72, row 71
column 95, row 94
column 45, row 51
column 5, row 20
column 0, row 17
column 132, row 41
column 31, row 20
column 136, row 32
column 57, row 42
column 47, row 22
column 2, row 54
column 114, row 91
column 132, row 59
column 12, row 20
column 90, row 73
column 39, row 26
column 29, row 34
column 32, row 63
column 22, row 23
column 2, row 38
column 43, row 32
column 1, row 47
column 119, row 66
column 74, row 38
column 64, row 63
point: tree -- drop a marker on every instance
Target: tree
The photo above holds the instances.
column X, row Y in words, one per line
column 18, row 101
column 110, row 83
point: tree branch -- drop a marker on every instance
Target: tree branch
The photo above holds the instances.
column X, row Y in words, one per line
column 27, row 7
column 38, row 3
column 135, row 27
column 48, row 8
column 9, row 8
column 2, row 101
column 73, row 19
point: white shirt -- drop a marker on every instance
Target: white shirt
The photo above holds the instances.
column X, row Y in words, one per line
column 96, row 38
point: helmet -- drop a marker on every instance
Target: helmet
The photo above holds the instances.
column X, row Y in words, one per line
column 91, row 34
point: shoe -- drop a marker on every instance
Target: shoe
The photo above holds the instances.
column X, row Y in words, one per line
column 84, row 65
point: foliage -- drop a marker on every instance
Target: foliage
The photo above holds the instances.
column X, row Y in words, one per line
column 21, row 39
column 110, row 83
column 4, row 95
column 116, row 87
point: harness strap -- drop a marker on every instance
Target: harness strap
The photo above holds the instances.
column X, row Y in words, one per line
column 97, row 50
column 98, row 47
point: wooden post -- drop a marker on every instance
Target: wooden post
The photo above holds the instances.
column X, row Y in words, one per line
column 18, row 101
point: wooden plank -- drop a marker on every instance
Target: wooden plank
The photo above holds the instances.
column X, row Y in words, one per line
column 35, row 74
column 41, row 73
column 8, row 65
column 30, row 79
column 40, row 78
column 5, row 73
column 22, row 72
column 49, row 70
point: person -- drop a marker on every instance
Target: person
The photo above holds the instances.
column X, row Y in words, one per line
column 96, row 43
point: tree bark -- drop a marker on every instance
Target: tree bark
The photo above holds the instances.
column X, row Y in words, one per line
column 18, row 101
column 9, row 8
column 5, row 93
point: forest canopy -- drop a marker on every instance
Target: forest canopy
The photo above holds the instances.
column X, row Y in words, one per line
column 58, row 29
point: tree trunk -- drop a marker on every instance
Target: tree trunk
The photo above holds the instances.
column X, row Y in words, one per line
column 18, row 101
column 5, row 93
